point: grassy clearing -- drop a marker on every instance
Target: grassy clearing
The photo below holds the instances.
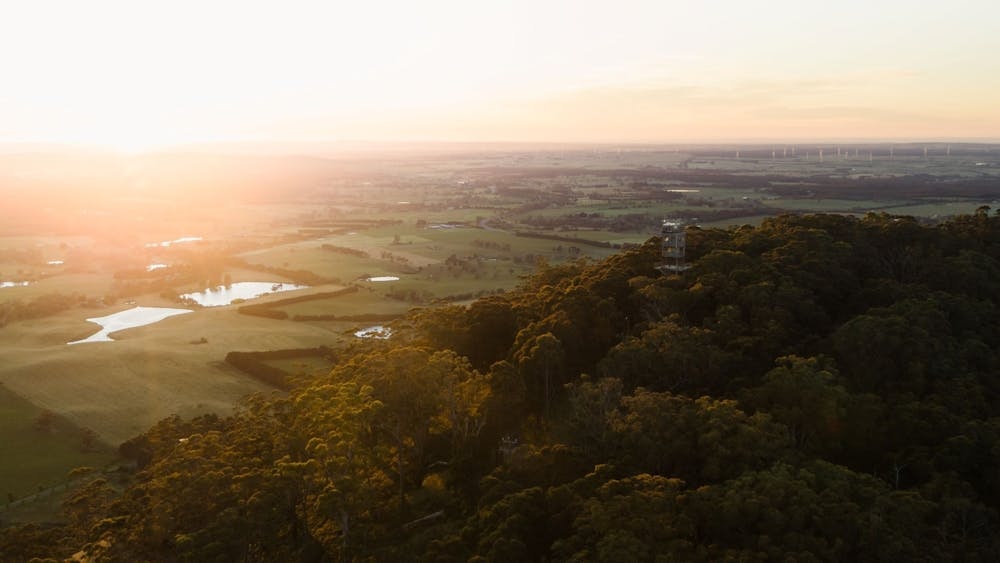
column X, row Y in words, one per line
column 119, row 389
column 493, row 276
column 425, row 250
column 44, row 457
column 360, row 303
column 90, row 285
column 310, row 256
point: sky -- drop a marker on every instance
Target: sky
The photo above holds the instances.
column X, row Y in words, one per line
column 140, row 74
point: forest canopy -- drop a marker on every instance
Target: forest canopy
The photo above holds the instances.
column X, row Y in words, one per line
column 819, row 388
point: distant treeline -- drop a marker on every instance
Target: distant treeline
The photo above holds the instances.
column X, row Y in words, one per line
column 363, row 318
column 302, row 277
column 839, row 186
column 492, row 245
column 263, row 310
column 346, row 250
column 585, row 242
column 594, row 221
column 345, row 226
column 468, row 296
column 270, row 310
column 255, row 364
column 41, row 306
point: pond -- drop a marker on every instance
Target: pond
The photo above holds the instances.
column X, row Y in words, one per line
column 13, row 284
column 152, row 267
column 129, row 318
column 222, row 295
column 383, row 279
column 377, row 331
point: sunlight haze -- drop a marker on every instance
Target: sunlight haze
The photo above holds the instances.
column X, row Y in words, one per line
column 137, row 75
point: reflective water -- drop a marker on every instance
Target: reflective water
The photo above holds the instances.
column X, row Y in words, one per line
column 55, row 262
column 222, row 295
column 383, row 279
column 14, row 284
column 170, row 242
column 377, row 331
column 152, row 267
column 129, row 318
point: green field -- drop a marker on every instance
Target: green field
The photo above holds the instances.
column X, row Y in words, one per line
column 36, row 458
column 119, row 389
column 86, row 284
column 360, row 303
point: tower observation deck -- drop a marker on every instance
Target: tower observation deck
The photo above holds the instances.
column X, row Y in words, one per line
column 674, row 241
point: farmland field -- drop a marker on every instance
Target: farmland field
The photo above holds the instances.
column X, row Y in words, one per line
column 360, row 303
column 39, row 454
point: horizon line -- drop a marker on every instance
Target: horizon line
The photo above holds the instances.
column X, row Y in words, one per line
column 373, row 144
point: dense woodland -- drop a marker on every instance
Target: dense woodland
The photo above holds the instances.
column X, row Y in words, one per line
column 819, row 388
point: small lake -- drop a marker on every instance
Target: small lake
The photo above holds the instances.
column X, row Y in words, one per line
column 383, row 279
column 129, row 318
column 377, row 331
column 222, row 295
column 13, row 284
column 152, row 267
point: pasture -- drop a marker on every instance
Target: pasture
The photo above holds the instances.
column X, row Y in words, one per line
column 119, row 389
column 38, row 450
column 360, row 303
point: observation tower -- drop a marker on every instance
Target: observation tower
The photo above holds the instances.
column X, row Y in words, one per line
column 674, row 241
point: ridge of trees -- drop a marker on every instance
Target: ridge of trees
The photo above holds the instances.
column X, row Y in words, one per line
column 822, row 388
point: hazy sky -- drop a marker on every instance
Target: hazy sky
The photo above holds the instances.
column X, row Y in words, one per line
column 134, row 73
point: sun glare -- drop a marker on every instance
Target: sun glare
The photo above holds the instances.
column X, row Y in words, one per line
column 127, row 140
column 136, row 76
column 126, row 131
